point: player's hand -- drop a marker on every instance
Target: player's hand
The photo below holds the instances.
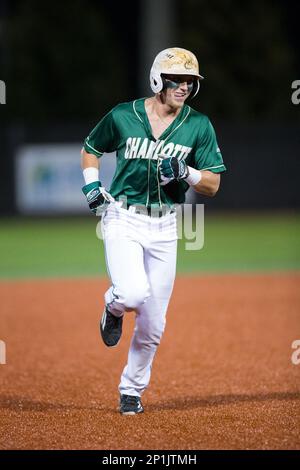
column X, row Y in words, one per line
column 171, row 169
column 97, row 196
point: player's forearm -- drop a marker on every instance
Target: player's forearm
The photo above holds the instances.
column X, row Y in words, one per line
column 88, row 160
column 208, row 184
column 90, row 167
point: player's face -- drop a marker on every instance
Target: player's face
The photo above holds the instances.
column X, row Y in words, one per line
column 177, row 89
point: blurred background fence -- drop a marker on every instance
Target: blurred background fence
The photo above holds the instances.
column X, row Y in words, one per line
column 42, row 168
column 66, row 65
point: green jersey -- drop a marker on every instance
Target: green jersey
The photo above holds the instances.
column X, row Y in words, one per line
column 126, row 130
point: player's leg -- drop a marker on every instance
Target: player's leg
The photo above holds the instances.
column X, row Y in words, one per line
column 125, row 265
column 160, row 267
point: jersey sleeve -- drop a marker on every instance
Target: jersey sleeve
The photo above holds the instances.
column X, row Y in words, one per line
column 103, row 138
column 208, row 155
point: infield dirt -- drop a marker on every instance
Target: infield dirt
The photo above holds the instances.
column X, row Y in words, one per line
column 222, row 377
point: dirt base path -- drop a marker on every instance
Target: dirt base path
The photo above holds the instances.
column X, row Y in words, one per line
column 222, row 378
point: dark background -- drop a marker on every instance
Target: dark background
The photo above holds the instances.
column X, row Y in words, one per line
column 66, row 64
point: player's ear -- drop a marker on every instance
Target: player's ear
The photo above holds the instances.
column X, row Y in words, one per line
column 162, row 95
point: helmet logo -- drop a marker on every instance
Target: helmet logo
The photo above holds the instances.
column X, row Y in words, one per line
column 189, row 64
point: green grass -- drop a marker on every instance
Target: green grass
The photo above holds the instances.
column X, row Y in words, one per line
column 233, row 243
column 245, row 243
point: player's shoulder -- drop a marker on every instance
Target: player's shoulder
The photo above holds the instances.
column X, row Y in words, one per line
column 127, row 110
column 198, row 116
column 200, row 122
column 123, row 108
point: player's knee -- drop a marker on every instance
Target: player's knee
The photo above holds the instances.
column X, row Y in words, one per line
column 150, row 334
column 136, row 297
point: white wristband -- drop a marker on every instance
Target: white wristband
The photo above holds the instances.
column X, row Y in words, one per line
column 194, row 176
column 90, row 174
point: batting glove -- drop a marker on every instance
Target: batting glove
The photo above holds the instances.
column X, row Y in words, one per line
column 97, row 196
column 172, row 169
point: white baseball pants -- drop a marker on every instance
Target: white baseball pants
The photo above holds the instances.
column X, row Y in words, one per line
column 141, row 260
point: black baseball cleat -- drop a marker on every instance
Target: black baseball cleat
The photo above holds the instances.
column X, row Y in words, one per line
column 110, row 328
column 130, row 405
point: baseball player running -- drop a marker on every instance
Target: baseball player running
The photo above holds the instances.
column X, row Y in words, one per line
column 163, row 146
